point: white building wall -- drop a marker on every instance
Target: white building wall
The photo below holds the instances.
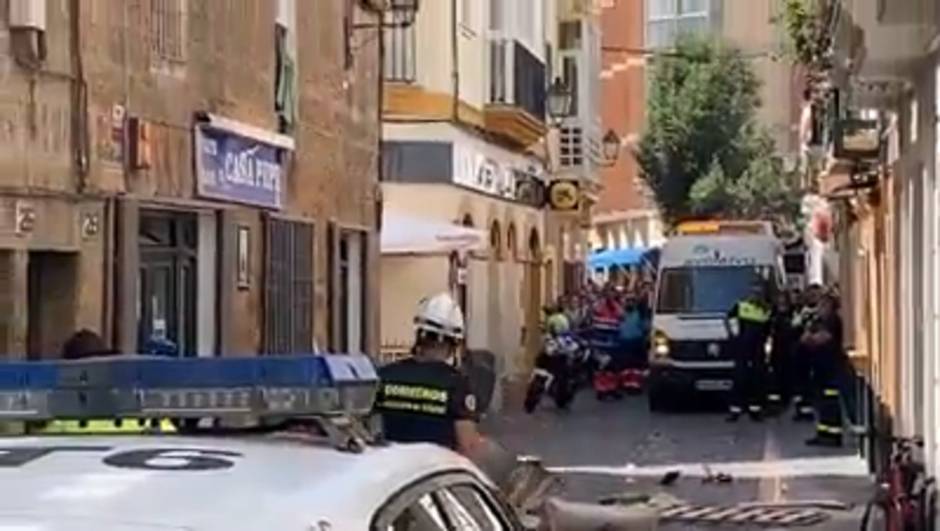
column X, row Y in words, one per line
column 934, row 315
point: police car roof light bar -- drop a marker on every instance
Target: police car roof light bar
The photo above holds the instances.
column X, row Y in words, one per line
column 153, row 387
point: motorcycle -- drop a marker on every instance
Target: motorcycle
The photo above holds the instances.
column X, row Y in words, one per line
column 555, row 373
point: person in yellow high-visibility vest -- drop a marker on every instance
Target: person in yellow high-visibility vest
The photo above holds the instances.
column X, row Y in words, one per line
column 105, row 427
column 749, row 327
column 87, row 344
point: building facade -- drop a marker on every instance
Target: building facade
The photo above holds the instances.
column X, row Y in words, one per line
column 467, row 141
column 874, row 139
column 194, row 177
column 632, row 31
column 625, row 216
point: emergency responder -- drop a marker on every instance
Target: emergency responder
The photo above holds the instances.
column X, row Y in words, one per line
column 802, row 363
column 557, row 321
column 783, row 343
column 823, row 339
column 424, row 398
column 604, row 334
column 633, row 331
column 86, row 344
column 749, row 328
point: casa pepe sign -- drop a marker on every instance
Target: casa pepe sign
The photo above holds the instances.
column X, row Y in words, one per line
column 240, row 164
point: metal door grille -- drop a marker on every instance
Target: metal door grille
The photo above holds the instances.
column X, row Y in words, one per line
column 289, row 285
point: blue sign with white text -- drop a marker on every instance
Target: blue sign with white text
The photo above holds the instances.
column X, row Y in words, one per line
column 234, row 168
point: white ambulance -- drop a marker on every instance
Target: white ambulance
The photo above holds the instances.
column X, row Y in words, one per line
column 701, row 277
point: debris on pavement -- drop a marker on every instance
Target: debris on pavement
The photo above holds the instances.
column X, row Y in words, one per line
column 711, row 477
column 626, row 498
column 561, row 515
column 828, row 505
column 737, row 514
column 669, row 478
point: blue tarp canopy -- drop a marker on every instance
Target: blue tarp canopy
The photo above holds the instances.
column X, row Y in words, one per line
column 617, row 257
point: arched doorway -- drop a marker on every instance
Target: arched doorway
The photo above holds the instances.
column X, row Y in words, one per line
column 532, row 289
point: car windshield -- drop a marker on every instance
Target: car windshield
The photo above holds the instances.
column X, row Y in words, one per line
column 705, row 289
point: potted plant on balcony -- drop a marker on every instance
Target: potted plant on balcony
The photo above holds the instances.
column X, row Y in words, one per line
column 809, row 27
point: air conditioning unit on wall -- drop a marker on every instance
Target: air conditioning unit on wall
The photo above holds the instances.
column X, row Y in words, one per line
column 27, row 14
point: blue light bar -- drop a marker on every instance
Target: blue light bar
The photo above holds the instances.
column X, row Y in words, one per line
column 150, row 387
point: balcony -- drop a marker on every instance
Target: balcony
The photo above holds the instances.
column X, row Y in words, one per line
column 515, row 109
column 845, row 147
column 400, row 54
column 894, row 39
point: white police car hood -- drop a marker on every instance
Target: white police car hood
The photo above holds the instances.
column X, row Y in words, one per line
column 201, row 484
column 42, row 523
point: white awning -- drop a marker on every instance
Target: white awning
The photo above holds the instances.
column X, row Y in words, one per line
column 409, row 234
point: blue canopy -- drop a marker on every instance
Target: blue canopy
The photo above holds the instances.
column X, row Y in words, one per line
column 617, row 257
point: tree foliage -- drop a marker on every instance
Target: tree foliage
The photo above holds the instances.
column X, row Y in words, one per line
column 703, row 152
column 807, row 37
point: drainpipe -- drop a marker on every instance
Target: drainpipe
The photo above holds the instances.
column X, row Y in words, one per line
column 79, row 98
column 454, row 62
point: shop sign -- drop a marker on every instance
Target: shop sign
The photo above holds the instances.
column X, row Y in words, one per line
column 235, row 168
column 564, row 195
column 490, row 176
column 483, row 174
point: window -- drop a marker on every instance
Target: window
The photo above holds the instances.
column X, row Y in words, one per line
column 704, row 289
column 571, row 145
column 569, row 35
column 285, row 69
column 468, row 510
column 570, row 77
column 442, row 503
column 400, row 52
column 423, row 515
column 289, row 284
column 667, row 19
column 347, row 289
column 496, row 241
column 167, row 29
column 166, row 312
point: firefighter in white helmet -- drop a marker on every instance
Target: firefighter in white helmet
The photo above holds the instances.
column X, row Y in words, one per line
column 424, row 398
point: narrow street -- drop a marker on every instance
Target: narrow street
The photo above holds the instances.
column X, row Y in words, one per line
column 603, row 449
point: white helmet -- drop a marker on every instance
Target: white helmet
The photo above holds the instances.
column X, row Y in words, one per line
column 440, row 315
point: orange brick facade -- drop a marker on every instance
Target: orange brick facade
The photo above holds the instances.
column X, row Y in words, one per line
column 623, row 102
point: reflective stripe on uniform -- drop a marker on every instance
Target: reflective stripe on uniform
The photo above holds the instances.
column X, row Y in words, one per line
column 754, row 409
column 829, row 430
column 830, row 392
column 104, row 426
column 773, row 397
column 748, row 311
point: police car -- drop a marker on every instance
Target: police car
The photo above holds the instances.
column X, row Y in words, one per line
column 215, row 478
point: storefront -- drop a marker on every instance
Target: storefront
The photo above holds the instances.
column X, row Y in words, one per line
column 461, row 180
column 194, row 274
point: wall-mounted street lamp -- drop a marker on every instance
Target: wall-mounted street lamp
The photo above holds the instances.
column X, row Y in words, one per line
column 558, row 99
column 610, row 149
column 403, row 14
